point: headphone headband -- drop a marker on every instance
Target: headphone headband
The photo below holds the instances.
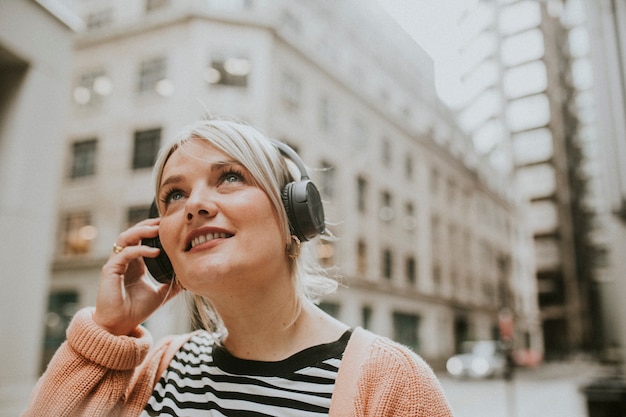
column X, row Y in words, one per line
column 301, row 200
column 288, row 151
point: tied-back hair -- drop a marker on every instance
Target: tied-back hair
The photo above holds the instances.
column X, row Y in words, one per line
column 271, row 173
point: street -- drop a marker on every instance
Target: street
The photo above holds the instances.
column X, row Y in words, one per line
column 550, row 390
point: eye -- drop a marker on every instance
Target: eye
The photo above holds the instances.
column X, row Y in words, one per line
column 172, row 195
column 232, row 176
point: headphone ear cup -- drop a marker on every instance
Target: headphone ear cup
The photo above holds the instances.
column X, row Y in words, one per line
column 304, row 208
column 160, row 267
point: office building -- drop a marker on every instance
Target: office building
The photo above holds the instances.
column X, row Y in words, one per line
column 432, row 246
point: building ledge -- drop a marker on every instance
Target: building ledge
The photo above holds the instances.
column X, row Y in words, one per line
column 63, row 14
column 77, row 262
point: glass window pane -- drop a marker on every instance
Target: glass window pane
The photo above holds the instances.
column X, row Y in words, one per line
column 519, row 16
column 543, row 217
column 529, row 112
column 532, row 146
column 547, row 253
column 136, row 214
column 61, row 308
column 78, row 233
column 230, row 71
column 361, row 266
column 525, row 80
column 147, row 144
column 83, row 158
column 406, row 329
column 150, row 73
column 327, row 183
column 525, row 47
column 387, row 264
column 537, row 181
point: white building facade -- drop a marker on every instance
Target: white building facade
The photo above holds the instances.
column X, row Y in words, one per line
column 431, row 245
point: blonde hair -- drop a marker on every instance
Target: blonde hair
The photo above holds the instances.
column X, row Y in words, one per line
column 271, row 173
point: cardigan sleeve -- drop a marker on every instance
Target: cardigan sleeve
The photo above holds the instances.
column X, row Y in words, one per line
column 395, row 381
column 90, row 373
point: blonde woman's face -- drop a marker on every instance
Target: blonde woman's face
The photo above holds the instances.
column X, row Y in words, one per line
column 218, row 227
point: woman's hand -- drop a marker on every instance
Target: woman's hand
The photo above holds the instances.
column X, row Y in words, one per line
column 126, row 296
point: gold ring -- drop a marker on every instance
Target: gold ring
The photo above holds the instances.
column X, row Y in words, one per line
column 117, row 249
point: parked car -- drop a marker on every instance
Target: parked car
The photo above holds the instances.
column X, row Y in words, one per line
column 478, row 359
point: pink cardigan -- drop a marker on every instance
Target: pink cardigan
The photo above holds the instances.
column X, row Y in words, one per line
column 95, row 373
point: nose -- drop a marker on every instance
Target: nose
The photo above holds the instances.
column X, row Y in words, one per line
column 201, row 212
column 200, row 204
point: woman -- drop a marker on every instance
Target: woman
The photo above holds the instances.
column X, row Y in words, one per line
column 232, row 232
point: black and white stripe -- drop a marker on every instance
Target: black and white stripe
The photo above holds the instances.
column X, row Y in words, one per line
column 204, row 379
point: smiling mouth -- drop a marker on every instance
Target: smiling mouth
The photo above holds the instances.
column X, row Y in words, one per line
column 206, row 238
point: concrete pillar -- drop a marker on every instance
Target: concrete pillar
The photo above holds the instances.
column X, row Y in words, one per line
column 35, row 59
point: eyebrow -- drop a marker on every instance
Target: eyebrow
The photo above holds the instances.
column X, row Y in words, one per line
column 215, row 166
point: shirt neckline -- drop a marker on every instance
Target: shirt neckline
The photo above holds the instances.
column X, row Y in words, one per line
column 310, row 356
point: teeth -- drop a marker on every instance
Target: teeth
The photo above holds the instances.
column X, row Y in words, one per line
column 209, row 236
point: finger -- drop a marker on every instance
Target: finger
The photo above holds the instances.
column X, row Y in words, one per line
column 134, row 235
column 119, row 263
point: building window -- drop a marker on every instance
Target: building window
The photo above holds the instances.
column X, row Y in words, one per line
column 92, row 87
column 437, row 276
column 408, row 167
column 411, row 270
column 78, row 233
column 330, row 308
column 434, row 182
column 99, row 19
column 386, row 207
column 327, row 184
column 152, row 5
column 385, row 152
column 435, row 236
column 62, row 305
column 136, row 214
column 83, row 158
column 366, row 317
column 147, row 143
column 228, row 71
column 326, row 253
column 291, row 91
column 409, row 223
column 452, row 192
column 406, row 329
column 361, row 184
column 152, row 74
column 361, row 266
column 387, row 264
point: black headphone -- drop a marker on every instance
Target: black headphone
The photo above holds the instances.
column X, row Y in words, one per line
column 302, row 202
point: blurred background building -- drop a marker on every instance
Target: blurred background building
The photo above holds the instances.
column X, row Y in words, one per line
column 441, row 233
column 530, row 110
column 607, row 51
column 432, row 245
column 36, row 46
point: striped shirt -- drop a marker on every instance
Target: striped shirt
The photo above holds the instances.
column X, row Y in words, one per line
column 204, row 379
